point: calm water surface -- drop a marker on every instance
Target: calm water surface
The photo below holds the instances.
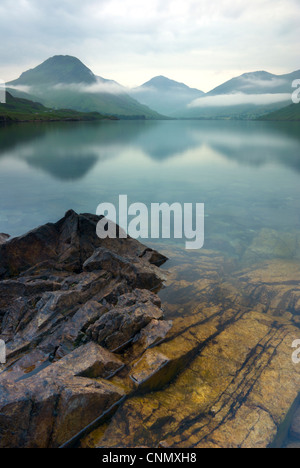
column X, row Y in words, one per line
column 246, row 173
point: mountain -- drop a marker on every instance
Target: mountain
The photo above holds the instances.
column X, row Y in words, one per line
column 58, row 69
column 24, row 110
column 64, row 81
column 289, row 113
column 165, row 96
column 260, row 82
column 245, row 97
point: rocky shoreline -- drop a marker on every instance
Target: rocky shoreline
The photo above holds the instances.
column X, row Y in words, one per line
column 70, row 306
column 94, row 361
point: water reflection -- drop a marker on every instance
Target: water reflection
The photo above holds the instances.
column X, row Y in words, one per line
column 246, row 173
column 69, row 151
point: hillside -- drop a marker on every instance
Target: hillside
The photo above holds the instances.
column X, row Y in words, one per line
column 244, row 97
column 65, row 82
column 165, row 96
column 289, row 113
column 260, row 82
column 24, row 110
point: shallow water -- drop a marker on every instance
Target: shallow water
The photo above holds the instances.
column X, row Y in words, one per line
column 246, row 173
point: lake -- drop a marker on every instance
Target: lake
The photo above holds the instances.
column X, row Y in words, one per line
column 246, row 173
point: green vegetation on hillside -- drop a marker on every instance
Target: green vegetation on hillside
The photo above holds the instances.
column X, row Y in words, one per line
column 289, row 113
column 64, row 81
column 23, row 110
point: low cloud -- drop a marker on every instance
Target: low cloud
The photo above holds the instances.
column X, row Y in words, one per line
column 110, row 87
column 250, row 82
column 23, row 89
column 237, row 99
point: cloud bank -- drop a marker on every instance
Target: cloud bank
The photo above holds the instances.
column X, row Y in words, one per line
column 110, row 87
column 199, row 42
column 238, row 99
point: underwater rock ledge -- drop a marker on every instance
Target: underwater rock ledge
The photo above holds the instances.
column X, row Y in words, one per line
column 70, row 304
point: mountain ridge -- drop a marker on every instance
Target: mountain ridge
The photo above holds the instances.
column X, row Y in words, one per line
column 165, row 95
column 64, row 81
column 162, row 81
column 240, row 83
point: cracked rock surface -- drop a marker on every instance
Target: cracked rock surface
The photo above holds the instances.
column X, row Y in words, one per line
column 68, row 303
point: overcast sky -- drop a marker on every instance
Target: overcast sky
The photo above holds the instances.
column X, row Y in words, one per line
column 199, row 42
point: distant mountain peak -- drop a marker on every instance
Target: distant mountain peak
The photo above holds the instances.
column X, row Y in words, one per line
column 60, row 69
column 166, row 96
column 257, row 82
column 261, row 73
column 62, row 59
column 160, row 79
column 163, row 83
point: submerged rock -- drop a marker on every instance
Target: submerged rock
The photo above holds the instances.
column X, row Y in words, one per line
column 63, row 293
column 295, row 426
column 270, row 244
column 227, row 361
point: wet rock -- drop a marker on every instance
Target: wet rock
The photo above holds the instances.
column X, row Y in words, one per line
column 39, row 413
column 152, row 334
column 293, row 445
column 74, row 330
column 233, row 381
column 153, row 257
column 151, row 372
column 60, row 400
column 119, row 325
column 12, row 317
column 64, row 291
column 270, row 244
column 104, row 259
column 89, row 360
column 138, row 273
column 25, row 365
column 67, row 243
column 295, row 426
column 139, row 296
column 275, row 285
